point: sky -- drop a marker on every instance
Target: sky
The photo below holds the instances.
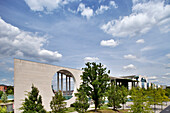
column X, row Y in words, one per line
column 129, row 37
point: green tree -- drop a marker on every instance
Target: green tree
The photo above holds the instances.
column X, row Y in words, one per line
column 124, row 94
column 140, row 103
column 10, row 90
column 33, row 102
column 95, row 82
column 4, row 97
column 3, row 109
column 114, row 96
column 81, row 104
column 163, row 96
column 57, row 104
column 1, row 92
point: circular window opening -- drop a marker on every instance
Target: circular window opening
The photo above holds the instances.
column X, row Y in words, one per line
column 63, row 81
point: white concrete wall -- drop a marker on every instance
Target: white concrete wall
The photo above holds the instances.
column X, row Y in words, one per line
column 27, row 73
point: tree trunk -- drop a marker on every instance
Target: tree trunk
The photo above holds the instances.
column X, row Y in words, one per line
column 95, row 106
column 123, row 106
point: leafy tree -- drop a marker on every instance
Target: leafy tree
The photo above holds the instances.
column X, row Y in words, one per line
column 114, row 96
column 4, row 97
column 10, row 90
column 57, row 104
column 124, row 94
column 163, row 96
column 3, row 109
column 81, row 104
column 154, row 97
column 33, row 102
column 95, row 82
column 1, row 92
column 140, row 104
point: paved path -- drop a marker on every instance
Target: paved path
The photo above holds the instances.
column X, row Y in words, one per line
column 166, row 110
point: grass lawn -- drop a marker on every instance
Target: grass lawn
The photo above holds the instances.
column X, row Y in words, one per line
column 70, row 109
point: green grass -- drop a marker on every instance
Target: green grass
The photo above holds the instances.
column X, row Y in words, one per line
column 70, row 109
column 107, row 111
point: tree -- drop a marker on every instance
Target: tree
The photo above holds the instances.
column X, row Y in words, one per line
column 33, row 102
column 140, row 104
column 4, row 97
column 114, row 96
column 1, row 92
column 3, row 109
column 10, row 90
column 163, row 96
column 95, row 82
column 124, row 94
column 81, row 104
column 57, row 104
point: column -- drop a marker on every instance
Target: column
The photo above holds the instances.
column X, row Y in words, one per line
column 62, row 82
column 58, row 88
column 69, row 86
column 66, row 85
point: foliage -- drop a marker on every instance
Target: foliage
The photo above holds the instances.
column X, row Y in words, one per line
column 81, row 104
column 114, row 96
column 10, row 90
column 140, row 103
column 33, row 102
column 124, row 94
column 4, row 97
column 70, row 109
column 3, row 109
column 1, row 92
column 167, row 92
column 57, row 104
column 95, row 82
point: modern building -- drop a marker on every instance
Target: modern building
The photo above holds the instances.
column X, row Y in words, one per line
column 50, row 78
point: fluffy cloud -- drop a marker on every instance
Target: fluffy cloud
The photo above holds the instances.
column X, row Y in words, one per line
column 46, row 5
column 129, row 56
column 168, row 55
column 101, row 9
column 91, row 59
column 144, row 17
column 110, row 43
column 112, row 3
column 41, row 5
column 85, row 11
column 129, row 67
column 140, row 41
column 4, row 80
column 147, row 48
column 18, row 43
column 152, row 77
column 167, row 74
column 11, row 69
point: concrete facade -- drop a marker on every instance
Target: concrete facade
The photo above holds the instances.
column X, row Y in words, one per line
column 27, row 73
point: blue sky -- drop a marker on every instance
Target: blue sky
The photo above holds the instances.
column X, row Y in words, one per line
column 127, row 36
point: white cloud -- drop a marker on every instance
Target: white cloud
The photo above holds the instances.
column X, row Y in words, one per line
column 101, row 9
column 152, row 77
column 140, row 41
column 129, row 56
column 168, row 55
column 110, row 43
column 167, row 73
column 4, row 80
column 167, row 66
column 91, row 59
column 46, row 5
column 129, row 67
column 10, row 69
column 147, row 48
column 144, row 17
column 41, row 5
column 112, row 3
column 85, row 11
column 15, row 42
